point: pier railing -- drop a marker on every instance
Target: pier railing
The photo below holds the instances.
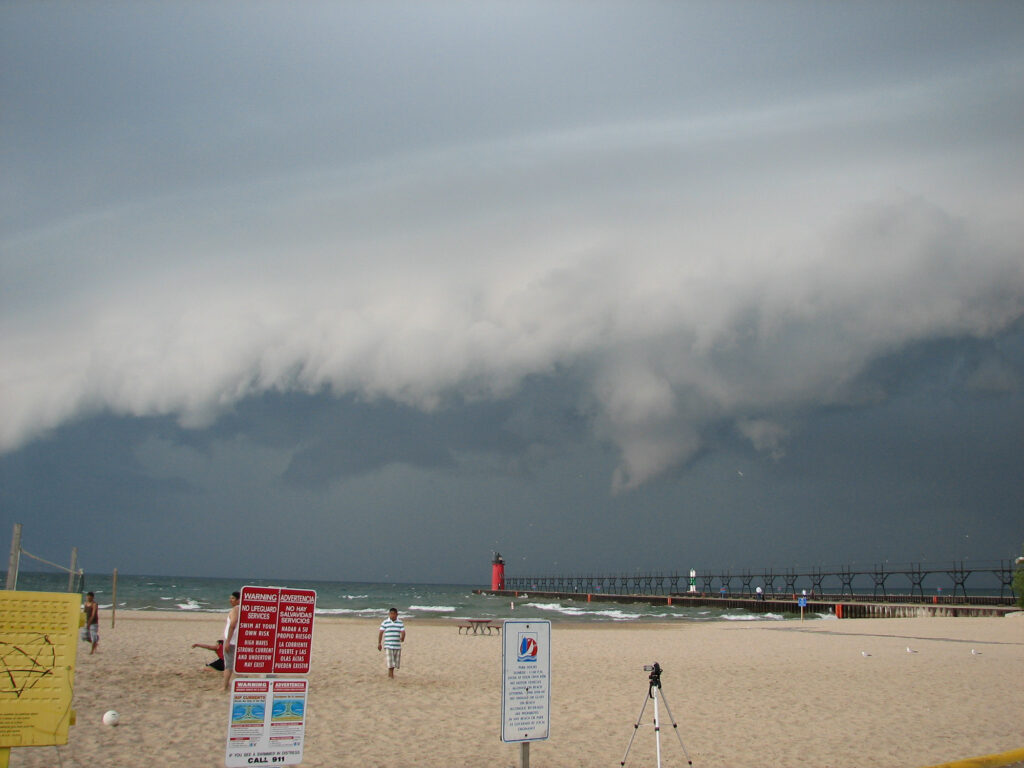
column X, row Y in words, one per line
column 989, row 582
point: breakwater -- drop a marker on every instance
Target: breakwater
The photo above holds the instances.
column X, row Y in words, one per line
column 864, row 608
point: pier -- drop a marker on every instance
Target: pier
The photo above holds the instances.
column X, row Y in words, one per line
column 896, row 590
column 950, row 580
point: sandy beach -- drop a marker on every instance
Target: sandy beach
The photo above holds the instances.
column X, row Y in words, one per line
column 757, row 693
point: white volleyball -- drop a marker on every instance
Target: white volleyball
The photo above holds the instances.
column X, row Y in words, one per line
column 110, row 717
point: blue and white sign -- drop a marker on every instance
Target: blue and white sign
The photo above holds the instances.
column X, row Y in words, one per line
column 526, row 680
column 266, row 721
column 802, row 602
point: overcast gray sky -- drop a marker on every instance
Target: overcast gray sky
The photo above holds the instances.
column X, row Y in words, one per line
column 367, row 290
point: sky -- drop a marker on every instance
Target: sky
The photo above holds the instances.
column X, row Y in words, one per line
column 366, row 291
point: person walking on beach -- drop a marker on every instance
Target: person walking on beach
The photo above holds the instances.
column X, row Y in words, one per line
column 390, row 638
column 92, row 621
column 231, row 638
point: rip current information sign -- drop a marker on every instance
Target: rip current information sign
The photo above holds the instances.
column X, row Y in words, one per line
column 267, row 722
column 526, row 680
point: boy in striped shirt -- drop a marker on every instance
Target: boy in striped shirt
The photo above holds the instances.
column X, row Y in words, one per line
column 390, row 638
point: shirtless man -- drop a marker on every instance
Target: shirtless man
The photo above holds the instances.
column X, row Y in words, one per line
column 231, row 639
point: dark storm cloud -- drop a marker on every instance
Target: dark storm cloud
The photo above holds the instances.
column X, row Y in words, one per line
column 431, row 242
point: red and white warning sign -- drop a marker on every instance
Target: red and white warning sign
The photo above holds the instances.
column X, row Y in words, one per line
column 275, row 631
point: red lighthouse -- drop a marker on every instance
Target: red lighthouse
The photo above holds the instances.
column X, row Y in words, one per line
column 497, row 573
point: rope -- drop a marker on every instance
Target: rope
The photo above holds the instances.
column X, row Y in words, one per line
column 36, row 557
column 80, row 573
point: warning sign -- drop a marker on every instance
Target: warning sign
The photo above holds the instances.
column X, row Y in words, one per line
column 38, row 635
column 267, row 722
column 275, row 631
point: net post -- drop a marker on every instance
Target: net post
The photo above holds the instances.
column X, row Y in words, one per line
column 12, row 564
column 74, row 566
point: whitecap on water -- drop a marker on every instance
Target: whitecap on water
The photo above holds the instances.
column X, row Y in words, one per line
column 347, row 611
column 435, row 608
column 615, row 615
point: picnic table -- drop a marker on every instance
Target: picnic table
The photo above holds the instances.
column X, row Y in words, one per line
column 478, row 626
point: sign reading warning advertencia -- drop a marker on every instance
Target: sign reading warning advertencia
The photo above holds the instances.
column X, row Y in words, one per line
column 526, row 680
column 275, row 631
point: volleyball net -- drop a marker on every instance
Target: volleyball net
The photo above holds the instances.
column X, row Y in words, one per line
column 69, row 578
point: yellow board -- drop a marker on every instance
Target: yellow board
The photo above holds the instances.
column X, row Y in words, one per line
column 38, row 643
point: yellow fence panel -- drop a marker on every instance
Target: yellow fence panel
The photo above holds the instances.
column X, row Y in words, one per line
column 38, row 643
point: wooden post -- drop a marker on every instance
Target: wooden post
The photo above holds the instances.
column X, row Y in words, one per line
column 524, row 754
column 113, row 608
column 12, row 564
column 74, row 567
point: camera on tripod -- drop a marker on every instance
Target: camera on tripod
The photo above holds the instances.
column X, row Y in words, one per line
column 655, row 676
column 653, row 693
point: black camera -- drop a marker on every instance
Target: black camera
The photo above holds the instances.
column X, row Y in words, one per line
column 655, row 676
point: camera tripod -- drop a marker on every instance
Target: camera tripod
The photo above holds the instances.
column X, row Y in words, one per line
column 653, row 691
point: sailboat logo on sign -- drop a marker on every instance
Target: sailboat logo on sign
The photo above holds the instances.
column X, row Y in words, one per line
column 527, row 646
